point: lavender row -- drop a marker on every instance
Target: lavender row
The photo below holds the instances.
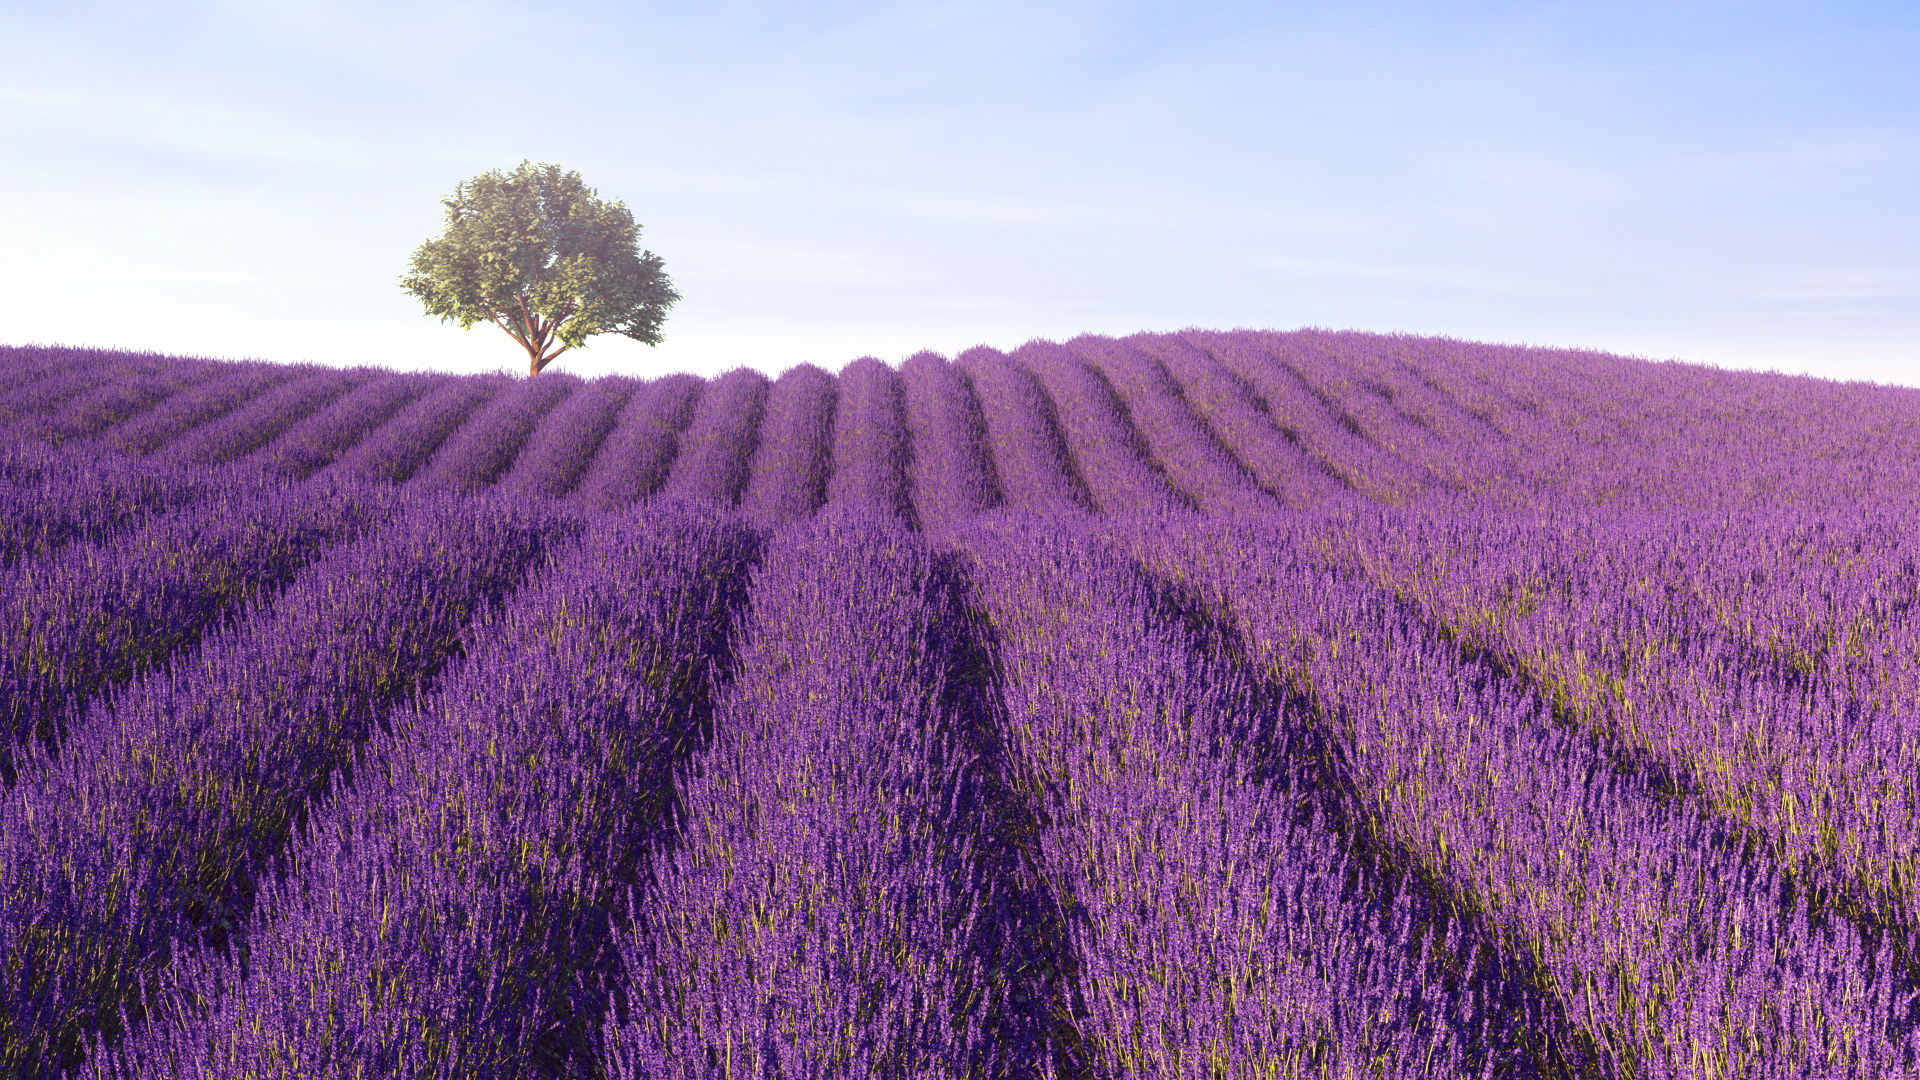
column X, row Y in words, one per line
column 1461, row 445
column 1456, row 375
column 252, row 424
column 870, row 447
column 1499, row 435
column 49, row 388
column 815, row 915
column 1193, row 459
column 1108, row 454
column 87, row 414
column 788, row 476
column 1801, row 597
column 1274, row 455
column 1786, row 706
column 561, row 448
column 311, row 444
column 23, row 365
column 1335, row 440
column 716, row 450
column 31, row 461
column 154, row 824
column 398, row 447
column 68, row 497
column 634, row 459
column 1031, row 462
column 1608, row 430
column 485, row 445
column 1437, row 384
column 96, row 614
column 1669, row 944
column 204, row 401
column 1212, row 928
column 950, row 466
column 1337, row 370
column 459, row 890
column 1395, row 417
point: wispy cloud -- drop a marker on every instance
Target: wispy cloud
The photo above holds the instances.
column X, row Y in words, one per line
column 1463, row 277
column 988, row 209
column 792, row 264
column 1834, row 285
column 225, row 134
column 1508, row 171
column 44, row 273
column 1847, row 155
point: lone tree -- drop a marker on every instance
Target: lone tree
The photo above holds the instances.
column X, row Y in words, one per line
column 538, row 255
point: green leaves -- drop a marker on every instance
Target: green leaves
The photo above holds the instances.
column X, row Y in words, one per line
column 537, row 254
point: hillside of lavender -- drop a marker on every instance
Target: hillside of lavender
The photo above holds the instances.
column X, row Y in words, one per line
column 1209, row 705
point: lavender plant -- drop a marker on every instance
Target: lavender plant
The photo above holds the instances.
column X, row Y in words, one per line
column 1211, row 928
column 813, row 915
column 1275, row 455
column 25, row 364
column 788, row 477
column 115, row 399
column 1781, row 708
column 1307, row 704
column 870, row 447
column 950, row 468
column 55, row 505
column 151, row 826
column 447, row 912
column 715, row 452
column 1667, row 942
column 1202, row 470
column 633, row 462
column 1332, row 438
column 1107, row 452
column 563, row 445
column 47, row 388
column 312, row 443
column 399, row 446
column 253, row 423
column 1031, row 462
column 484, row 445
column 203, row 402
column 97, row 614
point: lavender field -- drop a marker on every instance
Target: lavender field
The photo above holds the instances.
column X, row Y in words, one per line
column 1212, row 705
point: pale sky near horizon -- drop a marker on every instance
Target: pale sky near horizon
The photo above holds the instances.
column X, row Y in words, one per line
column 1723, row 183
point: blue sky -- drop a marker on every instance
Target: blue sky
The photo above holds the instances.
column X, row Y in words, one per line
column 1734, row 184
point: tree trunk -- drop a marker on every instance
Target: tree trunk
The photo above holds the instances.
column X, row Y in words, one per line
column 537, row 361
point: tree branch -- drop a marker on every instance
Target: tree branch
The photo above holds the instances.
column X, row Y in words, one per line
column 558, row 320
column 511, row 332
column 537, row 335
column 526, row 317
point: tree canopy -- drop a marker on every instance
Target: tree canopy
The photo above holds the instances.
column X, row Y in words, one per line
column 537, row 254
